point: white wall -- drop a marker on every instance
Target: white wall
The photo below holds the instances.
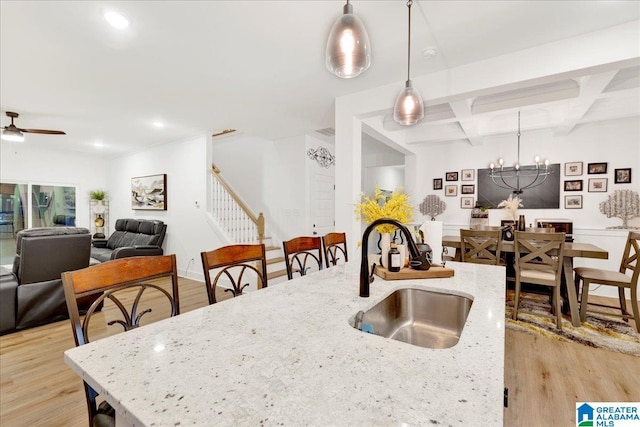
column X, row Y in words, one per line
column 615, row 142
column 187, row 169
column 20, row 163
column 386, row 177
column 270, row 177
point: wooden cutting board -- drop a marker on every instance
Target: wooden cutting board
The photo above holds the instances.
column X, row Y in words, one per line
column 409, row 273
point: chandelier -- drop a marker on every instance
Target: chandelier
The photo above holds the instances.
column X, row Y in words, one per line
column 518, row 178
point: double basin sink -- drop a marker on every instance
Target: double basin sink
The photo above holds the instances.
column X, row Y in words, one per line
column 416, row 316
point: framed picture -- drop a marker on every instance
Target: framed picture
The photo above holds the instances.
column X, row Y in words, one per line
column 468, row 174
column 575, row 185
column 596, row 168
column 573, row 169
column 466, row 202
column 437, row 184
column 573, row 202
column 468, row 189
column 451, row 176
column 623, row 176
column 450, row 190
column 598, row 185
column 149, row 192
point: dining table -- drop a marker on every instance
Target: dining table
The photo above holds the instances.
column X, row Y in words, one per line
column 571, row 250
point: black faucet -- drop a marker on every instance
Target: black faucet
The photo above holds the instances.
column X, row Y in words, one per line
column 365, row 279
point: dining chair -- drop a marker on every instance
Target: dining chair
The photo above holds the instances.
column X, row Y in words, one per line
column 130, row 284
column 334, row 244
column 302, row 250
column 481, row 246
column 621, row 279
column 539, row 259
column 231, row 263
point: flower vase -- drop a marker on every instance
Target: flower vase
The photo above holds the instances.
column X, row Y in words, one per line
column 385, row 245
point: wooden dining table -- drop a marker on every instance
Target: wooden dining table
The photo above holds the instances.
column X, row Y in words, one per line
column 571, row 250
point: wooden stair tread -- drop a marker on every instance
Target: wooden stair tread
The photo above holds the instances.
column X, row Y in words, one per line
column 277, row 273
column 275, row 260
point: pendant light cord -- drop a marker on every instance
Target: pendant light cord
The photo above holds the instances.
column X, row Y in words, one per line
column 409, row 3
column 518, row 137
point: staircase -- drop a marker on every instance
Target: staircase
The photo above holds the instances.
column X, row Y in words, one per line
column 276, row 267
column 241, row 226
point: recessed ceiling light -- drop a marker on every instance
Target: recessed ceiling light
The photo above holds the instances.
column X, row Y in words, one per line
column 158, row 125
column 116, row 20
column 98, row 144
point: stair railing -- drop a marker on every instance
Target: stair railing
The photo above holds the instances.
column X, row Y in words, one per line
column 232, row 213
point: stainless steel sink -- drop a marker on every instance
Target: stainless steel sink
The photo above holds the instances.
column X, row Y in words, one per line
column 424, row 318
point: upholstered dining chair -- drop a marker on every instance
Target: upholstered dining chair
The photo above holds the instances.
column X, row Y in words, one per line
column 130, row 284
column 481, row 246
column 334, row 244
column 301, row 254
column 231, row 263
column 621, row 279
column 539, row 259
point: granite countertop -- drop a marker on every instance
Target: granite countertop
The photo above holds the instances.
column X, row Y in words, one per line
column 286, row 355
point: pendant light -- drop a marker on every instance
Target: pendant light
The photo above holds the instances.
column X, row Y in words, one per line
column 348, row 51
column 409, row 108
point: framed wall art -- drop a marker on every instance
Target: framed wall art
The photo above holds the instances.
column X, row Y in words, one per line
column 598, row 185
column 450, row 190
column 468, row 189
column 451, row 176
column 623, row 176
column 437, row 184
column 575, row 185
column 596, row 168
column 466, row 202
column 468, row 174
column 573, row 202
column 573, row 169
column 149, row 192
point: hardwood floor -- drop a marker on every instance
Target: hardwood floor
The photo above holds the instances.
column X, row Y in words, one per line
column 545, row 378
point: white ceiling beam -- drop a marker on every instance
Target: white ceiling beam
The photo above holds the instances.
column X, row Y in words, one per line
column 591, row 88
column 462, row 110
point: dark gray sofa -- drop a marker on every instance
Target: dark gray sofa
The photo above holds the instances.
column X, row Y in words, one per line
column 132, row 237
column 31, row 293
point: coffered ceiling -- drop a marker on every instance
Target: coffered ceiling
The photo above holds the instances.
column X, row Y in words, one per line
column 258, row 67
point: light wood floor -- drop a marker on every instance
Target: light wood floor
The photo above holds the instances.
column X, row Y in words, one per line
column 545, row 378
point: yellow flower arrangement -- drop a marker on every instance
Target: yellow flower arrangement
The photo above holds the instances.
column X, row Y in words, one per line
column 396, row 207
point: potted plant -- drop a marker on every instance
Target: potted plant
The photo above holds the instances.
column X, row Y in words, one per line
column 97, row 195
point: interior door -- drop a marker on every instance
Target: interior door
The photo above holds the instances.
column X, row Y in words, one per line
column 322, row 204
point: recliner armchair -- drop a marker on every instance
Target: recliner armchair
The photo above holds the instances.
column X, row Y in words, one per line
column 31, row 293
column 132, row 237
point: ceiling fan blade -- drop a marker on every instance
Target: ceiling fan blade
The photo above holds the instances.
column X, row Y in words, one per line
column 48, row 132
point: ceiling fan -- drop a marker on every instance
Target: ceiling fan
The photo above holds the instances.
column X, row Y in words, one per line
column 14, row 133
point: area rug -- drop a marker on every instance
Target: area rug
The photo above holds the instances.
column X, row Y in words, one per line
column 598, row 331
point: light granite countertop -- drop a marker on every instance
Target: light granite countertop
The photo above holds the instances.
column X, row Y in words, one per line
column 286, row 355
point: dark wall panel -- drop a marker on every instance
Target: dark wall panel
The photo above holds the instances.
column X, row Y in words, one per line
column 545, row 196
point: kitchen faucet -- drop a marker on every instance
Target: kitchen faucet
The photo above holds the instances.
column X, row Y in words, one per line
column 365, row 279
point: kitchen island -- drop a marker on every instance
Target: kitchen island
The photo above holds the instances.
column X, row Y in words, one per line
column 287, row 355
